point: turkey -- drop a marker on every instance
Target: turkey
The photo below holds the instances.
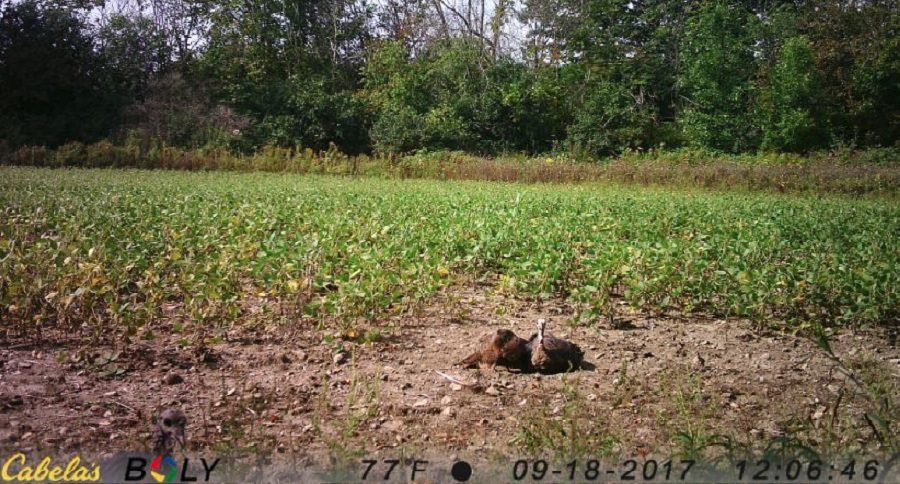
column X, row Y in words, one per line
column 500, row 348
column 552, row 355
column 168, row 433
column 169, row 430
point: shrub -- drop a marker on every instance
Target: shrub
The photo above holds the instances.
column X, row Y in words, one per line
column 104, row 153
column 790, row 121
column 32, row 155
column 611, row 119
column 5, row 152
column 719, row 64
column 73, row 153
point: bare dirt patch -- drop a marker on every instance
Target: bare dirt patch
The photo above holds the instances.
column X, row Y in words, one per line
column 662, row 386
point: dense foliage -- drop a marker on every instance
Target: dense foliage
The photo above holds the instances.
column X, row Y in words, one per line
column 588, row 78
column 54, row 84
column 107, row 250
column 719, row 63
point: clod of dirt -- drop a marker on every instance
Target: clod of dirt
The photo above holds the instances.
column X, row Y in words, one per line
column 456, row 387
column 699, row 362
column 12, row 401
column 339, row 358
column 205, row 355
column 173, row 379
column 492, row 391
column 817, row 415
column 421, row 403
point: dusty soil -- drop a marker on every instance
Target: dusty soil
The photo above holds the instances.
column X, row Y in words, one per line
column 280, row 391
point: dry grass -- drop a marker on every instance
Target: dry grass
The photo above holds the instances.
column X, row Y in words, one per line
column 821, row 176
column 846, row 172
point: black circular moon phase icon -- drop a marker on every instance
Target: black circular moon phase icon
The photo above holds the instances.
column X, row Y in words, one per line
column 461, row 471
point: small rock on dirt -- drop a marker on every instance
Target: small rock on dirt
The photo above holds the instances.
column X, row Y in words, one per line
column 173, row 379
column 339, row 358
column 492, row 391
column 818, row 413
column 699, row 362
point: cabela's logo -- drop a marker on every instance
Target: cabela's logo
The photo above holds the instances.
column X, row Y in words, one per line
column 164, row 468
column 16, row 468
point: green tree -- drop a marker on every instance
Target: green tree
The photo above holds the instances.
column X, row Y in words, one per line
column 525, row 109
column 611, row 118
column 857, row 55
column 431, row 101
column 718, row 67
column 397, row 94
column 54, row 85
column 454, row 96
column 292, row 67
column 790, row 101
column 621, row 59
column 135, row 50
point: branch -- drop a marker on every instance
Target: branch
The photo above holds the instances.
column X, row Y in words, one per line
column 465, row 22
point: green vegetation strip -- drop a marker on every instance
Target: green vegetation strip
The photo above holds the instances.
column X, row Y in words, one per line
column 103, row 249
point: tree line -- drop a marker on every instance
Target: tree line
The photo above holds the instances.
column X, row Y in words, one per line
column 588, row 77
